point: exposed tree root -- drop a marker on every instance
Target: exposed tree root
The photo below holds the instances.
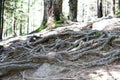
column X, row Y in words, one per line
column 69, row 48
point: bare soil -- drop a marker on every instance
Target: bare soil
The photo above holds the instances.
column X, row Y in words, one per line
column 72, row 52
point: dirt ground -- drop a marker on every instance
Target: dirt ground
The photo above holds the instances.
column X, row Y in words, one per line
column 72, row 52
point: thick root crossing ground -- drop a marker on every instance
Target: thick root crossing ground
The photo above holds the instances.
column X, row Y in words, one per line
column 68, row 48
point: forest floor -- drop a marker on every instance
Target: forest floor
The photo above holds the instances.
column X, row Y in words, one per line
column 74, row 51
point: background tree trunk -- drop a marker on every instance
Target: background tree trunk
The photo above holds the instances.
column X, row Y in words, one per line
column 112, row 11
column 113, row 7
column 45, row 16
column 52, row 12
column 0, row 20
column 99, row 8
column 14, row 28
column 1, row 17
column 14, row 22
column 20, row 29
column 105, row 12
column 57, row 9
column 28, row 19
column 119, row 4
column 73, row 10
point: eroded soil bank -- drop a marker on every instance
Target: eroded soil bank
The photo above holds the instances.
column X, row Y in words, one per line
column 71, row 52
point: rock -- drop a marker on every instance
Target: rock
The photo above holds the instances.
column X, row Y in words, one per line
column 45, row 72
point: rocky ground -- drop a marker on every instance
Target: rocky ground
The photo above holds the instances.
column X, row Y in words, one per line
column 89, row 51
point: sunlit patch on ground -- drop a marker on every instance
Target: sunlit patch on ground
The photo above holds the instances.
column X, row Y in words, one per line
column 107, row 73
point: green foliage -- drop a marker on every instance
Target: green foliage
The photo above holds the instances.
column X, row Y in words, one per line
column 40, row 28
column 58, row 23
column 117, row 13
column 16, row 12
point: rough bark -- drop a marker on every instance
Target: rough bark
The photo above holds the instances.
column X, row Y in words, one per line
column 52, row 12
column 73, row 10
column 57, row 9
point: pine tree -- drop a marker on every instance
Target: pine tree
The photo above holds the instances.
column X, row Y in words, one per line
column 73, row 10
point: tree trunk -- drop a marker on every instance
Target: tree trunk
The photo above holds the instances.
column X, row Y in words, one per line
column 73, row 10
column 105, row 8
column 119, row 4
column 112, row 11
column 57, row 9
column 99, row 9
column 28, row 19
column 14, row 28
column 21, row 29
column 45, row 16
column 113, row 7
column 1, row 29
column 52, row 12
column 1, row 17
